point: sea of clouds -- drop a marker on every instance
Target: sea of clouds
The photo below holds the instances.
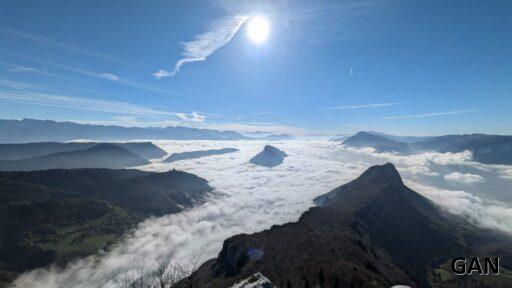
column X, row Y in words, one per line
column 249, row 198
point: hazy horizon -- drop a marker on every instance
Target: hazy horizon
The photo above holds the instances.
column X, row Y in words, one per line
column 254, row 132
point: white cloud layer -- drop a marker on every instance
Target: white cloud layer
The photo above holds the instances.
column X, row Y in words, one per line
column 250, row 198
column 205, row 44
column 467, row 178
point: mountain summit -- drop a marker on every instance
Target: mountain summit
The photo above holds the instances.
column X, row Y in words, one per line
column 371, row 232
column 269, row 157
column 378, row 142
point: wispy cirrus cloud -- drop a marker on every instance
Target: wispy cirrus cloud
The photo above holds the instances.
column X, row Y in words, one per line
column 51, row 42
column 19, row 93
column 434, row 114
column 362, row 106
column 205, row 44
column 16, row 85
column 304, row 15
column 104, row 75
column 110, row 76
column 15, row 68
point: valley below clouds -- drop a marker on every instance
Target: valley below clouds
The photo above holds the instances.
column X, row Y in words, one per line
column 248, row 198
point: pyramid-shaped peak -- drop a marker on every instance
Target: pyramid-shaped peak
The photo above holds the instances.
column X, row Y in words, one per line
column 274, row 150
column 382, row 172
column 374, row 181
column 269, row 157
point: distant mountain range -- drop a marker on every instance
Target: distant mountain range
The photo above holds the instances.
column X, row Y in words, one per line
column 29, row 130
column 380, row 143
column 278, row 137
column 54, row 216
column 340, row 137
column 406, row 139
column 102, row 155
column 198, row 154
column 371, row 232
column 269, row 157
column 489, row 149
column 262, row 135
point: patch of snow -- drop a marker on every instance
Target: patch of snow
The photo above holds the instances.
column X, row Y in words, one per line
column 255, row 281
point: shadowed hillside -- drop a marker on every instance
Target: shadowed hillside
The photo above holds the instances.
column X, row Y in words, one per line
column 102, row 155
column 371, row 232
column 146, row 150
column 53, row 216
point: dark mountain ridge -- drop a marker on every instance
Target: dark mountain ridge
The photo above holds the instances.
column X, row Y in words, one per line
column 269, row 157
column 380, row 143
column 101, row 155
column 54, row 216
column 371, row 232
column 489, row 149
column 19, row 151
column 198, row 154
column 405, row 139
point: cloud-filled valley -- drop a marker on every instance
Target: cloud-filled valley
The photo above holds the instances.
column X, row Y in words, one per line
column 249, row 198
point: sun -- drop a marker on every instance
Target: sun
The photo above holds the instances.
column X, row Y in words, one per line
column 258, row 29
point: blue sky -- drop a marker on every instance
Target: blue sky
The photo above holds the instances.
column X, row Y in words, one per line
column 402, row 67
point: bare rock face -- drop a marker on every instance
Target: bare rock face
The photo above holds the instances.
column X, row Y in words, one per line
column 269, row 157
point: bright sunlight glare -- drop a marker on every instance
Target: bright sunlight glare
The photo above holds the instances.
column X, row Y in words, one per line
column 258, row 29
